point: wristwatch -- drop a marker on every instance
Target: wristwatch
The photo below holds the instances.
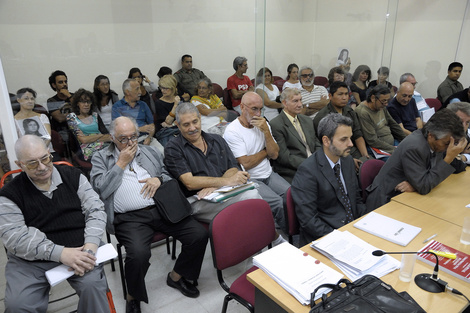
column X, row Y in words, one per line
column 89, row 251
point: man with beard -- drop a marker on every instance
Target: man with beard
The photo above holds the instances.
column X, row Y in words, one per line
column 314, row 98
column 59, row 104
column 325, row 189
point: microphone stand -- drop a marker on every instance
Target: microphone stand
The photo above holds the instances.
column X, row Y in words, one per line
column 428, row 282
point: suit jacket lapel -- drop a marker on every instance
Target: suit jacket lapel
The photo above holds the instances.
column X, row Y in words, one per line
column 327, row 171
column 291, row 128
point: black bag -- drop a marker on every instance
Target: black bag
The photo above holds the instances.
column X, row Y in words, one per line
column 171, row 203
column 366, row 295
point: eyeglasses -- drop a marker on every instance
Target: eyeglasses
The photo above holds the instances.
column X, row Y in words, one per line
column 306, row 75
column 32, row 165
column 202, row 87
column 125, row 140
column 85, row 101
column 384, row 101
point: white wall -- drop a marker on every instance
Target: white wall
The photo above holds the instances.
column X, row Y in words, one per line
column 86, row 38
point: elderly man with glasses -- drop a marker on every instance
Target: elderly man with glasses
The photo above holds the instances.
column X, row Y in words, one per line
column 314, row 98
column 127, row 175
column 50, row 215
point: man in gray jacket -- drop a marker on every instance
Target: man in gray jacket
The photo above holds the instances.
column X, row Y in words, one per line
column 418, row 164
column 127, row 175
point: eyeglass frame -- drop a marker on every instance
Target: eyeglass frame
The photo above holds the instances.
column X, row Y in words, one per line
column 125, row 140
column 34, row 164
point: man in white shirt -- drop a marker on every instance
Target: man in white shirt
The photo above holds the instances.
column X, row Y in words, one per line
column 314, row 98
column 250, row 139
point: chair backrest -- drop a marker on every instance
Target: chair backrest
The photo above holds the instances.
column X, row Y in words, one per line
column 292, row 221
column 279, row 83
column 227, row 99
column 276, row 78
column 367, row 172
column 18, row 170
column 239, row 231
column 321, row 80
column 434, row 103
column 217, row 90
column 58, row 143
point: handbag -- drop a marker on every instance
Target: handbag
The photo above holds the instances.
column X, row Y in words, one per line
column 171, row 203
column 366, row 295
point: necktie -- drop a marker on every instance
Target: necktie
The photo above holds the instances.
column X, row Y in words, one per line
column 344, row 197
column 302, row 136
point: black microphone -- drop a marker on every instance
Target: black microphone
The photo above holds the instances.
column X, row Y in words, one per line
column 426, row 282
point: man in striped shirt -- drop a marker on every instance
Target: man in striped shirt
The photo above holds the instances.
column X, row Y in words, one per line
column 50, row 215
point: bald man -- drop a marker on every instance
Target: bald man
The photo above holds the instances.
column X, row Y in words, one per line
column 50, row 215
column 403, row 109
column 252, row 143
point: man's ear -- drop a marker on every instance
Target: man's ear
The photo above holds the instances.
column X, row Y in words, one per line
column 325, row 141
column 18, row 163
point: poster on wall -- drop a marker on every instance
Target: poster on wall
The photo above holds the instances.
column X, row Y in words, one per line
column 343, row 56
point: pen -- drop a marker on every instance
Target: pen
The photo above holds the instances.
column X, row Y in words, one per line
column 243, row 168
column 427, row 239
column 448, row 255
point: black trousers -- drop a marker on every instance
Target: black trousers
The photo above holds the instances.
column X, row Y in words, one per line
column 135, row 230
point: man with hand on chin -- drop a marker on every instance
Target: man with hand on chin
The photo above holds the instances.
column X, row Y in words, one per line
column 50, row 215
column 250, row 139
column 127, row 176
column 418, row 163
column 202, row 163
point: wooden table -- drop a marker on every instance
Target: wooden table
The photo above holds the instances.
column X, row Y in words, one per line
column 281, row 301
column 446, row 201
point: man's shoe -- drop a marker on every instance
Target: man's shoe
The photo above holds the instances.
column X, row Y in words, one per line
column 186, row 288
column 133, row 306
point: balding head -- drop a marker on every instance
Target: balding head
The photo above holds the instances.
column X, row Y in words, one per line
column 28, row 143
column 405, row 93
column 124, row 127
column 251, row 105
column 34, row 159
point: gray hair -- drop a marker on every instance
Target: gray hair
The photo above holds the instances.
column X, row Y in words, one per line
column 464, row 107
column 330, row 123
column 28, row 142
column 306, row 68
column 443, row 123
column 288, row 93
column 204, row 80
column 185, row 108
column 112, row 127
column 404, row 77
column 126, row 85
column 238, row 61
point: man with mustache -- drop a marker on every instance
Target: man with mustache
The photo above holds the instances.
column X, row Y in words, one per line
column 59, row 104
column 202, row 163
column 50, row 215
column 325, row 189
column 314, row 98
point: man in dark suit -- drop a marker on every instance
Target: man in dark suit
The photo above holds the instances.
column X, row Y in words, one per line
column 325, row 189
column 418, row 164
column 294, row 134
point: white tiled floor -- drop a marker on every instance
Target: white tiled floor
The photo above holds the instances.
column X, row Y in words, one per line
column 162, row 298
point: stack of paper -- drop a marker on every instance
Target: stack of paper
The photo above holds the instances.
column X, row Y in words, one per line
column 297, row 272
column 388, row 228
column 354, row 256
